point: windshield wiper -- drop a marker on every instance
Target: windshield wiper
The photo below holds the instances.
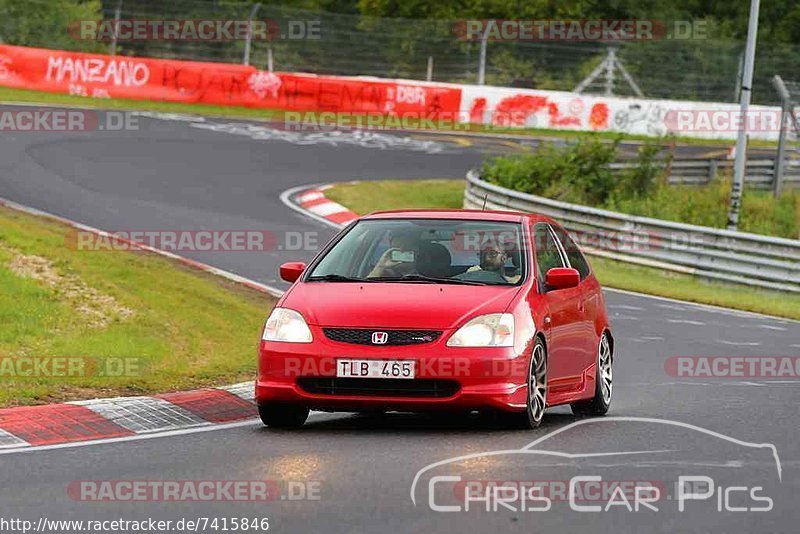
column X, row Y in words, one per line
column 423, row 278
column 335, row 278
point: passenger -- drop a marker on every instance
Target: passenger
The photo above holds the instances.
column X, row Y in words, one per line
column 421, row 257
column 388, row 267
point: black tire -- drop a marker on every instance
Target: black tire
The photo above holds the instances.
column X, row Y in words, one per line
column 601, row 402
column 283, row 415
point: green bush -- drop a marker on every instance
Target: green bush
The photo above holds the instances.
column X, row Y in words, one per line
column 578, row 172
column 49, row 23
column 645, row 176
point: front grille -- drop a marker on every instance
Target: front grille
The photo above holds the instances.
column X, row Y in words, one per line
column 363, row 336
column 379, row 387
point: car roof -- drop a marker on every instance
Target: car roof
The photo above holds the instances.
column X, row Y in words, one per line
column 473, row 215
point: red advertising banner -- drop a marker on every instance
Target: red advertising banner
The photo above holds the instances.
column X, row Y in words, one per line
column 102, row 76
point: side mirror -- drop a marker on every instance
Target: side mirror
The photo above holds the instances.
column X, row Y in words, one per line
column 291, row 271
column 562, row 278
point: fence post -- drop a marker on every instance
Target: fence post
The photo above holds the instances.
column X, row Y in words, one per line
column 429, row 77
column 117, row 16
column 740, row 164
column 249, row 38
column 482, row 60
column 611, row 59
column 777, row 178
column 786, row 104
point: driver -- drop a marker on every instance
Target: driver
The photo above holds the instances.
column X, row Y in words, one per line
column 493, row 258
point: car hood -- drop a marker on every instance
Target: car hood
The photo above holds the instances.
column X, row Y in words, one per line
column 395, row 305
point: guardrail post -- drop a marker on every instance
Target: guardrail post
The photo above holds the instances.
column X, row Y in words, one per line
column 712, row 170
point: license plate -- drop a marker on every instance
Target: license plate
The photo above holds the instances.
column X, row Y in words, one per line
column 375, row 368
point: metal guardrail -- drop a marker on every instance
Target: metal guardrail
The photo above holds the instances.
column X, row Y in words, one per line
column 750, row 259
column 760, row 172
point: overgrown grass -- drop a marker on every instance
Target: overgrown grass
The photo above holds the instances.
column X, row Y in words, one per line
column 707, row 205
column 187, row 329
column 365, row 197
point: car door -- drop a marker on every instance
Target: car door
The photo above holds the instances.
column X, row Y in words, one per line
column 588, row 297
column 563, row 322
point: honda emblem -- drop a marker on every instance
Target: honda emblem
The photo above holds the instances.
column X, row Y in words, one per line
column 379, row 338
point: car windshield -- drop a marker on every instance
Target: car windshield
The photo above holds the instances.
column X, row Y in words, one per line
column 426, row 251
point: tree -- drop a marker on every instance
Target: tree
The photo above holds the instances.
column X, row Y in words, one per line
column 46, row 23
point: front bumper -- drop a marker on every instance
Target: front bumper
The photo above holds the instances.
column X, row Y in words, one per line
column 481, row 377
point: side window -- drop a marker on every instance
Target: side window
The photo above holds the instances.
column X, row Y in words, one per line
column 547, row 255
column 574, row 255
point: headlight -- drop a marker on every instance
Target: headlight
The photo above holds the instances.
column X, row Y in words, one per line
column 286, row 325
column 492, row 330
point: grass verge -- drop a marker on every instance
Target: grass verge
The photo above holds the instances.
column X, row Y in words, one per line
column 122, row 323
column 365, row 197
column 41, row 97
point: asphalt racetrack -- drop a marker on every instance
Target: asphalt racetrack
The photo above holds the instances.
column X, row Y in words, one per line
column 344, row 473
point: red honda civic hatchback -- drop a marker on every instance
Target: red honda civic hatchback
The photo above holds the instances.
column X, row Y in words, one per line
column 438, row 309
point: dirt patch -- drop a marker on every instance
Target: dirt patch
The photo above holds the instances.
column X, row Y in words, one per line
column 99, row 309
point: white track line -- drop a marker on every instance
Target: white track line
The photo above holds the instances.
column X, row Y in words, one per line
column 135, row 437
